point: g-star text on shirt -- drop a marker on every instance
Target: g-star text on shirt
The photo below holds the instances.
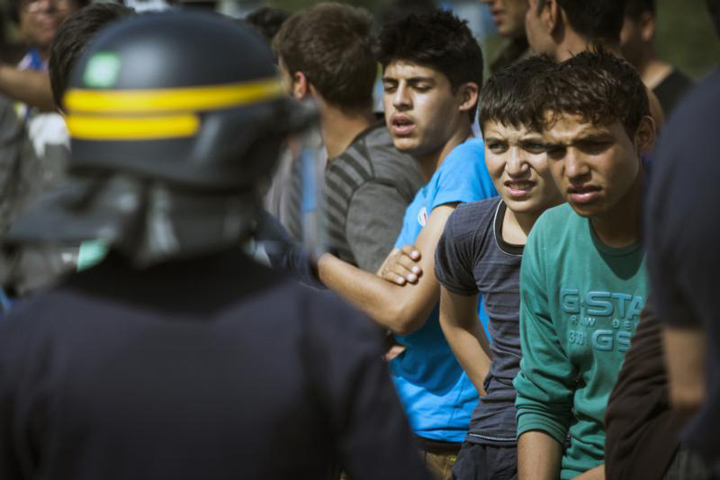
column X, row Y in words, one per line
column 620, row 311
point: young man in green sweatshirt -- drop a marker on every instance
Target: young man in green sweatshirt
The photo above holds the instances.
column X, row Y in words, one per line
column 583, row 281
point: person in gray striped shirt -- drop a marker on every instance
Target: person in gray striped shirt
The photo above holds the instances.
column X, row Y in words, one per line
column 325, row 52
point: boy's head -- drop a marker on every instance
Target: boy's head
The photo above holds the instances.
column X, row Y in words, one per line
column 38, row 20
column 514, row 149
column 508, row 16
column 72, row 38
column 596, row 123
column 638, row 31
column 432, row 72
column 328, row 50
column 595, row 21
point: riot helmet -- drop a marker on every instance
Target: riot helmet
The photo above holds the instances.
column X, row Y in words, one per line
column 175, row 120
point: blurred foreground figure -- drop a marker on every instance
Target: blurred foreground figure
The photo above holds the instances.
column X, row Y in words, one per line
column 683, row 260
column 178, row 356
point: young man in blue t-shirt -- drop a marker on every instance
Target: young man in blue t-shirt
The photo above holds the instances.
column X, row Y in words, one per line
column 432, row 75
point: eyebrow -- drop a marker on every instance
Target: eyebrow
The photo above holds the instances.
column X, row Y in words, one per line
column 410, row 80
column 590, row 137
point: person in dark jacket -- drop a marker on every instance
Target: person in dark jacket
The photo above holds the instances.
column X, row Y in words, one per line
column 178, row 356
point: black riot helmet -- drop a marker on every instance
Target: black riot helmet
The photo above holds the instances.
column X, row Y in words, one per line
column 188, row 98
column 176, row 119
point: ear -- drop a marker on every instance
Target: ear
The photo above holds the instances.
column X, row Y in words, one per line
column 468, row 94
column 645, row 135
column 647, row 26
column 300, row 88
column 550, row 16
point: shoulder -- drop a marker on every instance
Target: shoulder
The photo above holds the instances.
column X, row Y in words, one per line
column 469, row 152
column 328, row 318
column 553, row 222
column 469, row 218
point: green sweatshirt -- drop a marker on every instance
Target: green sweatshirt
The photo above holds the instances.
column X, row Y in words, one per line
column 580, row 304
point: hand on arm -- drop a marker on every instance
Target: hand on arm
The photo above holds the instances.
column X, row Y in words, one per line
column 401, row 309
column 402, row 266
column 463, row 331
column 539, row 456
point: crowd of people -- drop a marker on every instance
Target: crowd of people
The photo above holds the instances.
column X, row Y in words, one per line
column 532, row 303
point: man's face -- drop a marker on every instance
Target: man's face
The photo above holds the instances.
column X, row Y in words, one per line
column 595, row 167
column 539, row 39
column 509, row 16
column 518, row 165
column 421, row 111
column 40, row 19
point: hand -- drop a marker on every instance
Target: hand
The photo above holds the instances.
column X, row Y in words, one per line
column 401, row 266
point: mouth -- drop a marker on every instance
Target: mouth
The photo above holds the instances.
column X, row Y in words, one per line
column 401, row 126
column 518, row 188
column 583, row 194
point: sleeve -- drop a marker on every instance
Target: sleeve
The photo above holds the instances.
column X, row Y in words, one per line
column 374, row 219
column 545, row 383
column 454, row 257
column 463, row 176
column 371, row 433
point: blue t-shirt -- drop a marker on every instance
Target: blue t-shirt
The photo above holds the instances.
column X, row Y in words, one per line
column 437, row 394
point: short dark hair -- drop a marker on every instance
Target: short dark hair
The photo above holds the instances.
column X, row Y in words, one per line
column 507, row 96
column 333, row 45
column 14, row 7
column 596, row 20
column 635, row 8
column 438, row 40
column 597, row 86
column 267, row 21
column 72, row 38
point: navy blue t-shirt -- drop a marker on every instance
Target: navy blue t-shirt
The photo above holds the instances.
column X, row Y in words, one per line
column 472, row 257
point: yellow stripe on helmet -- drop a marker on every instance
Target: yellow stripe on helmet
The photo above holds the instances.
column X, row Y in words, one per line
column 88, row 127
column 172, row 99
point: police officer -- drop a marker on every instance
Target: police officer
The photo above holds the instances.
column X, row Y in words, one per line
column 177, row 356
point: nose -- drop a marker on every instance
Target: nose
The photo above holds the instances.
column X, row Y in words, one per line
column 401, row 97
column 576, row 168
column 516, row 165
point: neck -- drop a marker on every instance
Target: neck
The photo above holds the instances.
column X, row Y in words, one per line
column 430, row 162
column 653, row 72
column 620, row 226
column 517, row 226
column 340, row 128
column 572, row 44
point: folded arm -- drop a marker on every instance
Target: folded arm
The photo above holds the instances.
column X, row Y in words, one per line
column 402, row 309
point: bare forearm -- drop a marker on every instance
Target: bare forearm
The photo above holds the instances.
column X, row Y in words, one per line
column 470, row 354
column 462, row 329
column 597, row 473
column 386, row 303
column 539, row 456
column 32, row 88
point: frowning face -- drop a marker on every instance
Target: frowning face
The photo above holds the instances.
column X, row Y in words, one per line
column 517, row 162
column 595, row 167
